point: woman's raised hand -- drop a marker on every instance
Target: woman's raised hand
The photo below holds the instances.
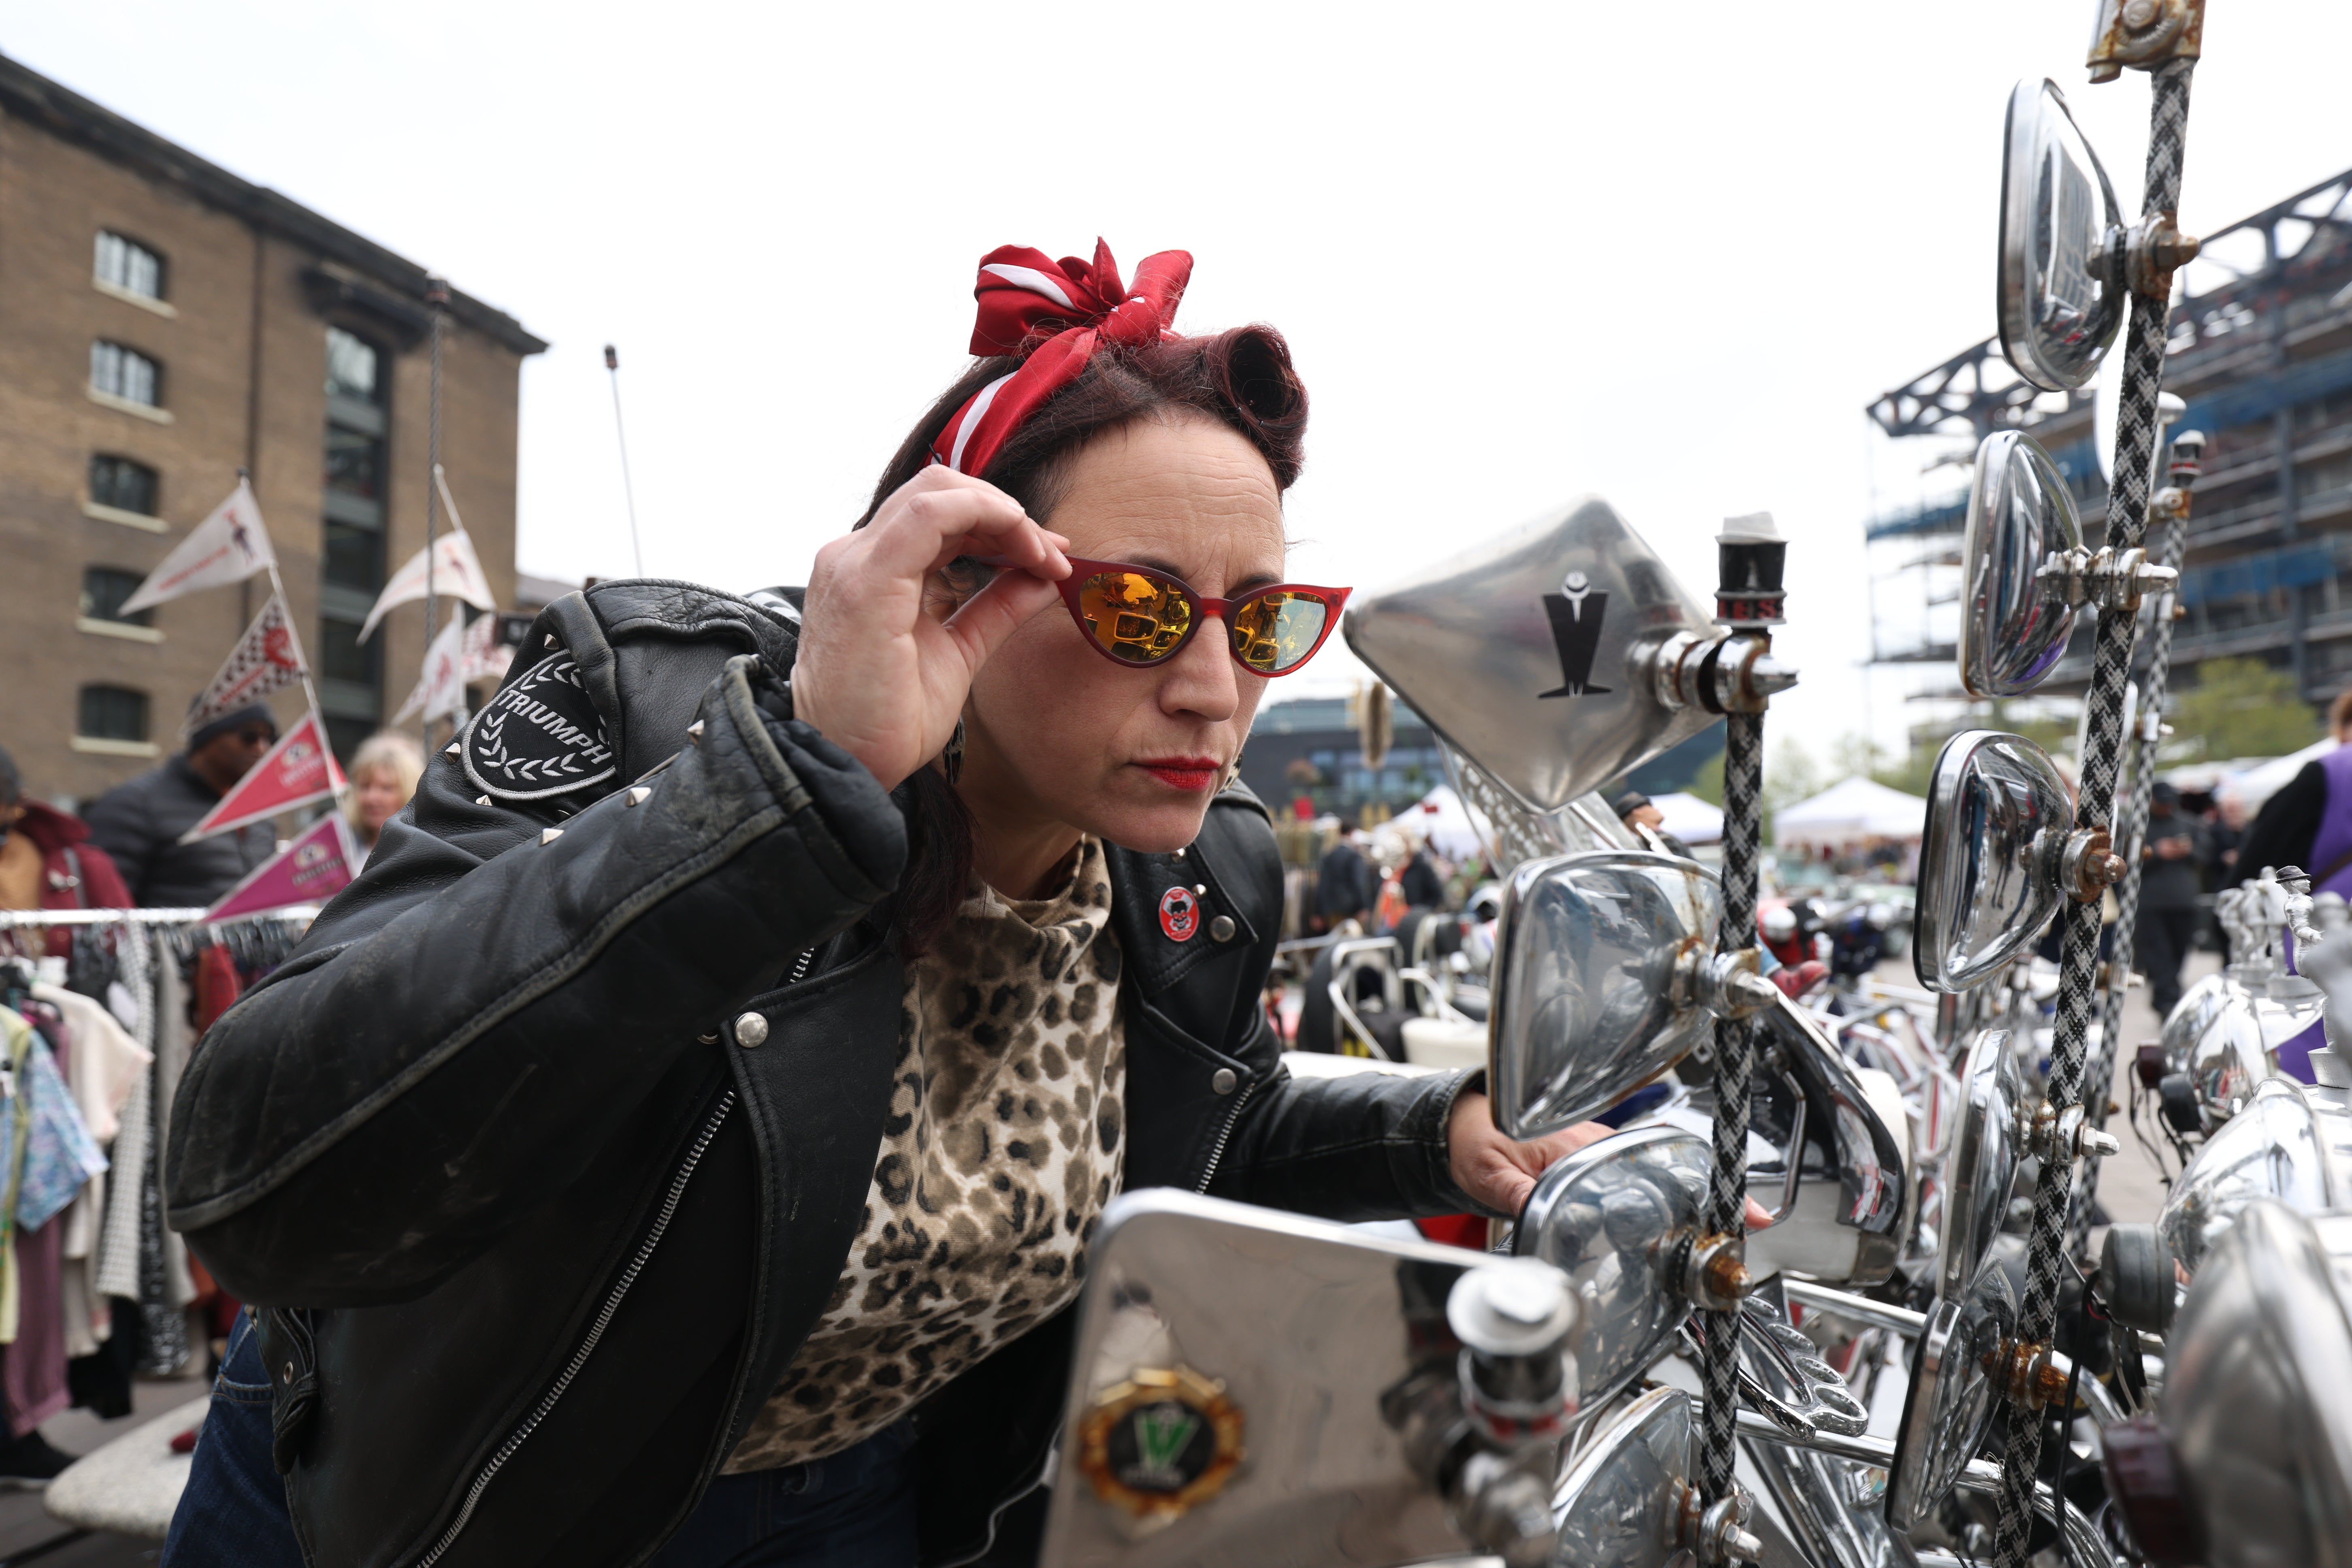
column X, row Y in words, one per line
column 880, row 674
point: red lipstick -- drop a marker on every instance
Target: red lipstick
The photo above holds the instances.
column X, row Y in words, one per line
column 1187, row 773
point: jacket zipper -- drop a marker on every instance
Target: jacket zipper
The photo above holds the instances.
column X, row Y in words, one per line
column 1225, row 1135
column 801, row 967
column 538, row 1412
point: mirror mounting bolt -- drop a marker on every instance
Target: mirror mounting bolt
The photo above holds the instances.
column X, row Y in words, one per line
column 2153, row 250
column 2024, row 1374
column 2110, row 578
column 1715, row 1274
column 2144, row 35
column 1728, row 984
column 2068, row 1135
column 1744, row 674
column 2090, row 864
column 1715, row 1534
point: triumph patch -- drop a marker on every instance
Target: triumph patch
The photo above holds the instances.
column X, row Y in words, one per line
column 540, row 736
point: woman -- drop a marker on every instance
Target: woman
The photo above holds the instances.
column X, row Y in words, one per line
column 384, row 776
column 47, row 861
column 690, row 1125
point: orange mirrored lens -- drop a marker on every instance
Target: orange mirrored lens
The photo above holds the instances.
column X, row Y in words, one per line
column 1135, row 619
column 1274, row 632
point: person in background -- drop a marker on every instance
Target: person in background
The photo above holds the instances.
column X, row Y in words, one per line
column 1421, row 880
column 2308, row 824
column 139, row 823
column 45, row 860
column 384, row 775
column 1638, row 811
column 2167, row 896
column 1343, row 882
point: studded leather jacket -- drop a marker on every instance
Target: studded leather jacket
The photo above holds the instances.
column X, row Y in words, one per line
column 543, row 1151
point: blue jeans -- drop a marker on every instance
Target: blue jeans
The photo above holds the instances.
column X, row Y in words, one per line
column 853, row 1509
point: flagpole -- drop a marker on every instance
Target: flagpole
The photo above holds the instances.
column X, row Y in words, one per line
column 628, row 491
column 457, row 525
column 436, row 294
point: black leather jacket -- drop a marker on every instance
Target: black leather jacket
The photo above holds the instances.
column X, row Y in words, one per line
column 540, row 1213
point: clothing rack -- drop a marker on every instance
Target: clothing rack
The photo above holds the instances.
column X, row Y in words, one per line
column 11, row 919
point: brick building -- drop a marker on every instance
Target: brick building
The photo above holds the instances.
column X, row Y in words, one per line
column 163, row 323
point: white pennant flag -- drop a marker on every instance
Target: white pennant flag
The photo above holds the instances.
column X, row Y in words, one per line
column 264, row 660
column 442, row 687
column 456, row 572
column 227, row 547
column 486, row 657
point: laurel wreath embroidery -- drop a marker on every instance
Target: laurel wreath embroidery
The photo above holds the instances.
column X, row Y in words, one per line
column 490, row 751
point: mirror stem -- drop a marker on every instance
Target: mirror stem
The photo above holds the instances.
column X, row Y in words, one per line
column 2137, row 429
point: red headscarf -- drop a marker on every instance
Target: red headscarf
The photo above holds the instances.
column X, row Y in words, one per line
column 1058, row 314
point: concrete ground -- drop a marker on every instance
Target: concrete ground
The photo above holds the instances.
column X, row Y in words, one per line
column 28, row 1535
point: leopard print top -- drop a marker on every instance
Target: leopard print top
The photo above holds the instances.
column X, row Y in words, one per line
column 1004, row 1142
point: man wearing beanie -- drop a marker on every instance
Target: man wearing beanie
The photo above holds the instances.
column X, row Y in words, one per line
column 139, row 823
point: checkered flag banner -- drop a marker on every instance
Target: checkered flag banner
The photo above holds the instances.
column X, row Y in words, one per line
column 264, row 660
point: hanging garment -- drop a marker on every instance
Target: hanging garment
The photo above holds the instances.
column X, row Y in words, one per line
column 217, row 986
column 107, row 1065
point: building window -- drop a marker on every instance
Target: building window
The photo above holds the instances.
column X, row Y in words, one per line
column 354, row 558
column 354, row 463
column 125, row 374
column 342, row 655
column 122, row 484
column 127, row 264
column 112, row 713
column 350, row 366
column 103, row 589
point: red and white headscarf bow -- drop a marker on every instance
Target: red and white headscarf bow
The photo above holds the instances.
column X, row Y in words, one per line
column 1024, row 298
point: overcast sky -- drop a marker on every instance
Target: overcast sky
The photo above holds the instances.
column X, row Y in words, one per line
column 1665, row 253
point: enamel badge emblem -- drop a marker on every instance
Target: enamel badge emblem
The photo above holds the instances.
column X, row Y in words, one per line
column 1180, row 914
column 1160, row 1443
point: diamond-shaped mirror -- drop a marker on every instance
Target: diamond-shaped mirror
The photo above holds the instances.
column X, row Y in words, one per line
column 1983, row 1166
column 2062, row 294
column 1619, row 1504
column 1997, row 818
column 1585, row 1005
column 1609, row 1217
column 1951, row 1401
column 1530, row 652
column 2014, row 620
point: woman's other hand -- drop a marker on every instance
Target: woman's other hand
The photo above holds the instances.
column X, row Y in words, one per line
column 1500, row 1172
column 881, row 674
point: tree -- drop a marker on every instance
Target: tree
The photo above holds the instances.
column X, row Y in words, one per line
column 2243, row 708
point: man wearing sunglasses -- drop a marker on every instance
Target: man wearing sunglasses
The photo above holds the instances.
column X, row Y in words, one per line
column 139, row 823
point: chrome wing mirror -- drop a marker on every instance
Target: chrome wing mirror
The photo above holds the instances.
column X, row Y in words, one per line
column 2022, row 536
column 1629, row 1499
column 2279, row 1146
column 1952, row 1397
column 1999, row 855
column 1604, row 976
column 1556, row 656
column 1982, row 1170
column 2062, row 293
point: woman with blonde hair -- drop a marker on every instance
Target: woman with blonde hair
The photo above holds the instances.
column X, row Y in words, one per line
column 384, row 775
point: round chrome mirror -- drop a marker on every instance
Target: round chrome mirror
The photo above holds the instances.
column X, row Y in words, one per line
column 2251, row 1446
column 1617, row 1506
column 1951, row 1401
column 1529, row 653
column 1998, row 817
column 1586, row 1003
column 2061, row 286
column 2014, row 620
column 1983, row 1168
column 2275, row 1147
column 1608, row 1216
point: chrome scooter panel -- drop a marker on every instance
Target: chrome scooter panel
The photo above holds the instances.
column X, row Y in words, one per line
column 1300, row 1327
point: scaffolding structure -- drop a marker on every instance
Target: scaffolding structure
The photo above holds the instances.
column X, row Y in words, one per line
column 2262, row 354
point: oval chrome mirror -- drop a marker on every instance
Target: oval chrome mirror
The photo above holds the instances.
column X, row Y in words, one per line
column 1609, row 1217
column 2252, row 1412
column 2014, row 620
column 1951, row 1401
column 1618, row 1505
column 2276, row 1148
column 1530, row 653
column 1998, row 817
column 1587, row 1003
column 1983, row 1169
column 2061, row 289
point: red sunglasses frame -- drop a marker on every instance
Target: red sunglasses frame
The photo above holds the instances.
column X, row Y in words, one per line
column 1204, row 609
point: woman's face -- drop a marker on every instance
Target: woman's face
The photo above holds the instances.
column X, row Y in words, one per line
column 380, row 798
column 1057, row 734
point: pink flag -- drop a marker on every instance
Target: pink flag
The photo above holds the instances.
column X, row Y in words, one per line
column 264, row 660
column 310, row 871
column 298, row 770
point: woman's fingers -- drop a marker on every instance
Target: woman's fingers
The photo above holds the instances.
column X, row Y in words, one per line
column 997, row 611
column 930, row 520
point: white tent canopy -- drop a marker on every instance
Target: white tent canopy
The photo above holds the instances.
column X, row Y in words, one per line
column 1689, row 818
column 1850, row 813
